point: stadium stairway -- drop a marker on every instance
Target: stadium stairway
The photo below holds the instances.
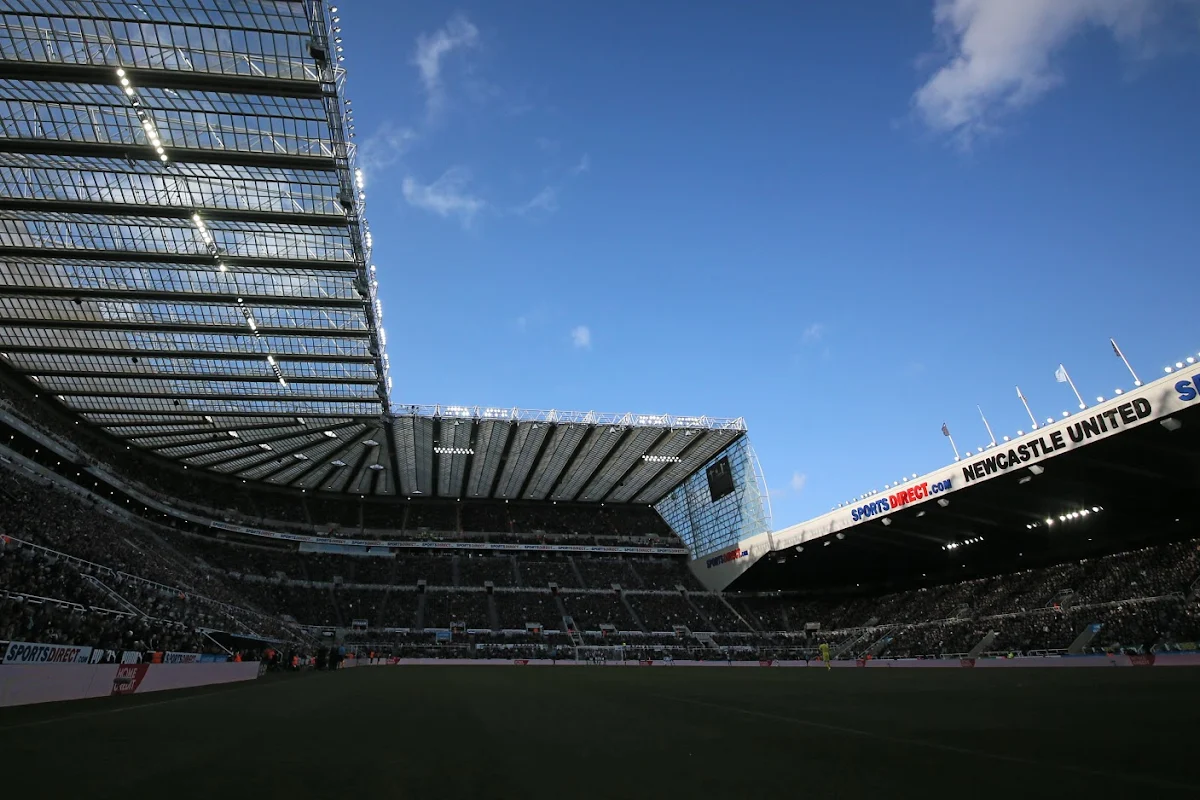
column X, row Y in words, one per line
column 638, row 583
column 880, row 644
column 493, row 613
column 562, row 610
column 745, row 620
column 1084, row 638
column 854, row 642
column 337, row 609
column 633, row 614
column 708, row 623
column 114, row 595
column 578, row 575
column 1062, row 599
column 982, row 645
column 455, row 572
column 419, row 621
column 516, row 566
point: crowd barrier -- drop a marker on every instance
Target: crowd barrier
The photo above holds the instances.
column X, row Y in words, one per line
column 1110, row 660
column 24, row 684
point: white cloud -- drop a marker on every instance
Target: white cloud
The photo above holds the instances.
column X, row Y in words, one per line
column 1000, row 54
column 522, row 323
column 581, row 337
column 458, row 34
column 584, row 165
column 545, row 201
column 795, row 486
column 448, row 196
column 384, row 148
column 813, row 333
column 547, row 145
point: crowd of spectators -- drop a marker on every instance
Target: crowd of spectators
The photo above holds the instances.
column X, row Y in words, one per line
column 101, row 571
column 48, row 599
column 590, row 611
column 719, row 615
column 515, row 609
column 476, row 569
column 545, row 569
column 662, row 612
column 446, row 609
column 602, row 573
column 151, row 577
column 656, row 573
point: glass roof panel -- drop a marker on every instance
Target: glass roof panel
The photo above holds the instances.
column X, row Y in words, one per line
column 130, row 276
column 224, row 188
column 224, row 39
column 182, row 242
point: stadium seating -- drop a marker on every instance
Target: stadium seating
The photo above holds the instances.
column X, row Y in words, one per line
column 73, row 568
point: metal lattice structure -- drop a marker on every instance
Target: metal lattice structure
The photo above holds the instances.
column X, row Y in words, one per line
column 183, row 255
column 184, row 263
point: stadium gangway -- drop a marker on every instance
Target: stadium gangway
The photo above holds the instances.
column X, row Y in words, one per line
column 115, row 595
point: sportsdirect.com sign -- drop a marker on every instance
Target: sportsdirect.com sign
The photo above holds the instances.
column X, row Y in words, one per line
column 899, row 499
column 725, row 558
column 28, row 653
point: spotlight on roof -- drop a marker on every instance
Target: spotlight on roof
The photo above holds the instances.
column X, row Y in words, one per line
column 1037, row 469
column 1171, row 424
column 943, row 502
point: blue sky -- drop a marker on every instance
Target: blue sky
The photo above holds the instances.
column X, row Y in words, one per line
column 847, row 226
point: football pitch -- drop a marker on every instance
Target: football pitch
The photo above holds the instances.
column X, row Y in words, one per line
column 487, row 732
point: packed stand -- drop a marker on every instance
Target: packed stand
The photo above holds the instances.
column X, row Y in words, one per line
column 602, row 573
column 44, row 514
column 515, row 609
column 544, row 570
column 661, row 574
column 444, row 609
column 662, row 612
column 590, row 611
column 478, row 568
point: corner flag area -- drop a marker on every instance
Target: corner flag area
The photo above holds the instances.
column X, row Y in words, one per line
column 449, row 732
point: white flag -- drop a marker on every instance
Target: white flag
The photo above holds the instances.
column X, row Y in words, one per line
column 1060, row 374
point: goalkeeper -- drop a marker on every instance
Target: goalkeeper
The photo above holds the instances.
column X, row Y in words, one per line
column 824, row 648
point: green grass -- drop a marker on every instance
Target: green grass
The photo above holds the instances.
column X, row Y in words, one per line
column 454, row 731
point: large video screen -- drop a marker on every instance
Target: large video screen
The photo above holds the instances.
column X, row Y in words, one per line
column 720, row 479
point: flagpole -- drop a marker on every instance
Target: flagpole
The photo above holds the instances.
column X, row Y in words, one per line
column 1136, row 381
column 1071, row 383
column 1025, row 403
column 991, row 435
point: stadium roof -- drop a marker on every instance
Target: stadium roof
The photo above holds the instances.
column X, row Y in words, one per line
column 1118, row 474
column 184, row 262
